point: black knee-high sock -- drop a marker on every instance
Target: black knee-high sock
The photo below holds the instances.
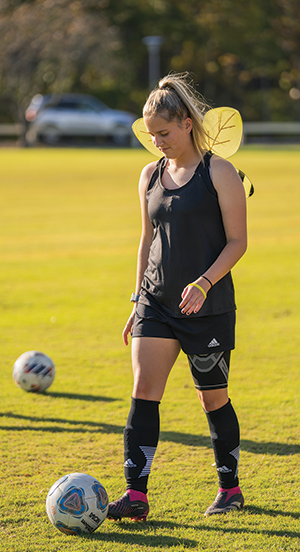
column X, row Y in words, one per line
column 140, row 441
column 225, row 438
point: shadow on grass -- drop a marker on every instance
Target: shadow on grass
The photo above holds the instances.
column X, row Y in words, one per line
column 269, row 512
column 61, row 425
column 86, row 427
column 143, row 534
column 265, row 447
column 151, row 541
column 78, row 396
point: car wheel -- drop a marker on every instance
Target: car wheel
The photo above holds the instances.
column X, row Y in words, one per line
column 121, row 137
column 50, row 135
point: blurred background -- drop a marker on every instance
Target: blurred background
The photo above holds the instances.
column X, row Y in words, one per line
column 241, row 54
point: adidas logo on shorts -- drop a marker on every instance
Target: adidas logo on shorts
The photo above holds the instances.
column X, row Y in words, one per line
column 213, row 343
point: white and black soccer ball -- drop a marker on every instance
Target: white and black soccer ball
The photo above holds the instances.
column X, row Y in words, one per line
column 77, row 503
column 34, row 371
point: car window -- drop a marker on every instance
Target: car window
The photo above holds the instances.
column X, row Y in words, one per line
column 74, row 106
column 79, row 104
column 86, row 107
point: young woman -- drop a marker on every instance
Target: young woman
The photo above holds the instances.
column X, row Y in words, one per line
column 193, row 232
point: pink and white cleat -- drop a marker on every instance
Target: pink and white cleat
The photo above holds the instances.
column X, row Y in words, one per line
column 133, row 504
column 226, row 501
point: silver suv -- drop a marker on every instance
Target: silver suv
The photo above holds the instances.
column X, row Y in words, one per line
column 51, row 118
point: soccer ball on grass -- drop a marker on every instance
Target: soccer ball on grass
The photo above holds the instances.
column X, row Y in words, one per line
column 34, row 371
column 77, row 503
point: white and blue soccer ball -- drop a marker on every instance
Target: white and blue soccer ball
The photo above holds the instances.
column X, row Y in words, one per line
column 77, row 503
column 34, row 371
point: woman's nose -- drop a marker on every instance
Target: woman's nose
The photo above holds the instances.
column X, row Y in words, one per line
column 157, row 141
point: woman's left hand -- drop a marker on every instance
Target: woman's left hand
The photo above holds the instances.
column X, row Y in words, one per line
column 192, row 300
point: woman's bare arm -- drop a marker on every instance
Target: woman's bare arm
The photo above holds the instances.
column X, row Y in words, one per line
column 145, row 241
column 232, row 201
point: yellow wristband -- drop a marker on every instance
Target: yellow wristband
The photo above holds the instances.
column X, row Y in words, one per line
column 201, row 289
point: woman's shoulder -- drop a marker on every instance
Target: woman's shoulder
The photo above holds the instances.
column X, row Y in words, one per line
column 219, row 162
column 146, row 174
column 223, row 173
column 149, row 169
column 221, row 167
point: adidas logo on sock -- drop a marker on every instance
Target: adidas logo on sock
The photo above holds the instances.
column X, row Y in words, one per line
column 213, row 343
column 224, row 469
column 129, row 464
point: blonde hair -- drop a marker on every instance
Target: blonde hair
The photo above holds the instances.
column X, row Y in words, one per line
column 175, row 98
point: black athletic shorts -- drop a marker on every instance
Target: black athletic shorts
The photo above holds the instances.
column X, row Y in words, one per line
column 198, row 335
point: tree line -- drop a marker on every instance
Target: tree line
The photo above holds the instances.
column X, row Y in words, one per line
column 241, row 54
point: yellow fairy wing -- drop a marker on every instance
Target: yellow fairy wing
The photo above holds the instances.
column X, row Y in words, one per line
column 224, row 128
column 144, row 137
column 223, row 125
column 249, row 188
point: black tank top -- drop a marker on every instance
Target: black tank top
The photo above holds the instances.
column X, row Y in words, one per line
column 188, row 237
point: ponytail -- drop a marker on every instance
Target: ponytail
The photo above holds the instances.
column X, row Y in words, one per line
column 175, row 98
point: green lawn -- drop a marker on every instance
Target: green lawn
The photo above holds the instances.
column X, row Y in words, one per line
column 69, row 231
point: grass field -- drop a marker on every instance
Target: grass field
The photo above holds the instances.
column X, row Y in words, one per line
column 69, row 231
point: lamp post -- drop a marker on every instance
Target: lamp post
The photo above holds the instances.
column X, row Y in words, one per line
column 153, row 44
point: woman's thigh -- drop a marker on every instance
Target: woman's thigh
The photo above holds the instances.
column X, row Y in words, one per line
column 152, row 361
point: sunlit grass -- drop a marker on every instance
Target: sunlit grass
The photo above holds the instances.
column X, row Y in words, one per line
column 69, row 231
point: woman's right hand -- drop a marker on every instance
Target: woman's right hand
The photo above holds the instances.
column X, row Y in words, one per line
column 128, row 327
